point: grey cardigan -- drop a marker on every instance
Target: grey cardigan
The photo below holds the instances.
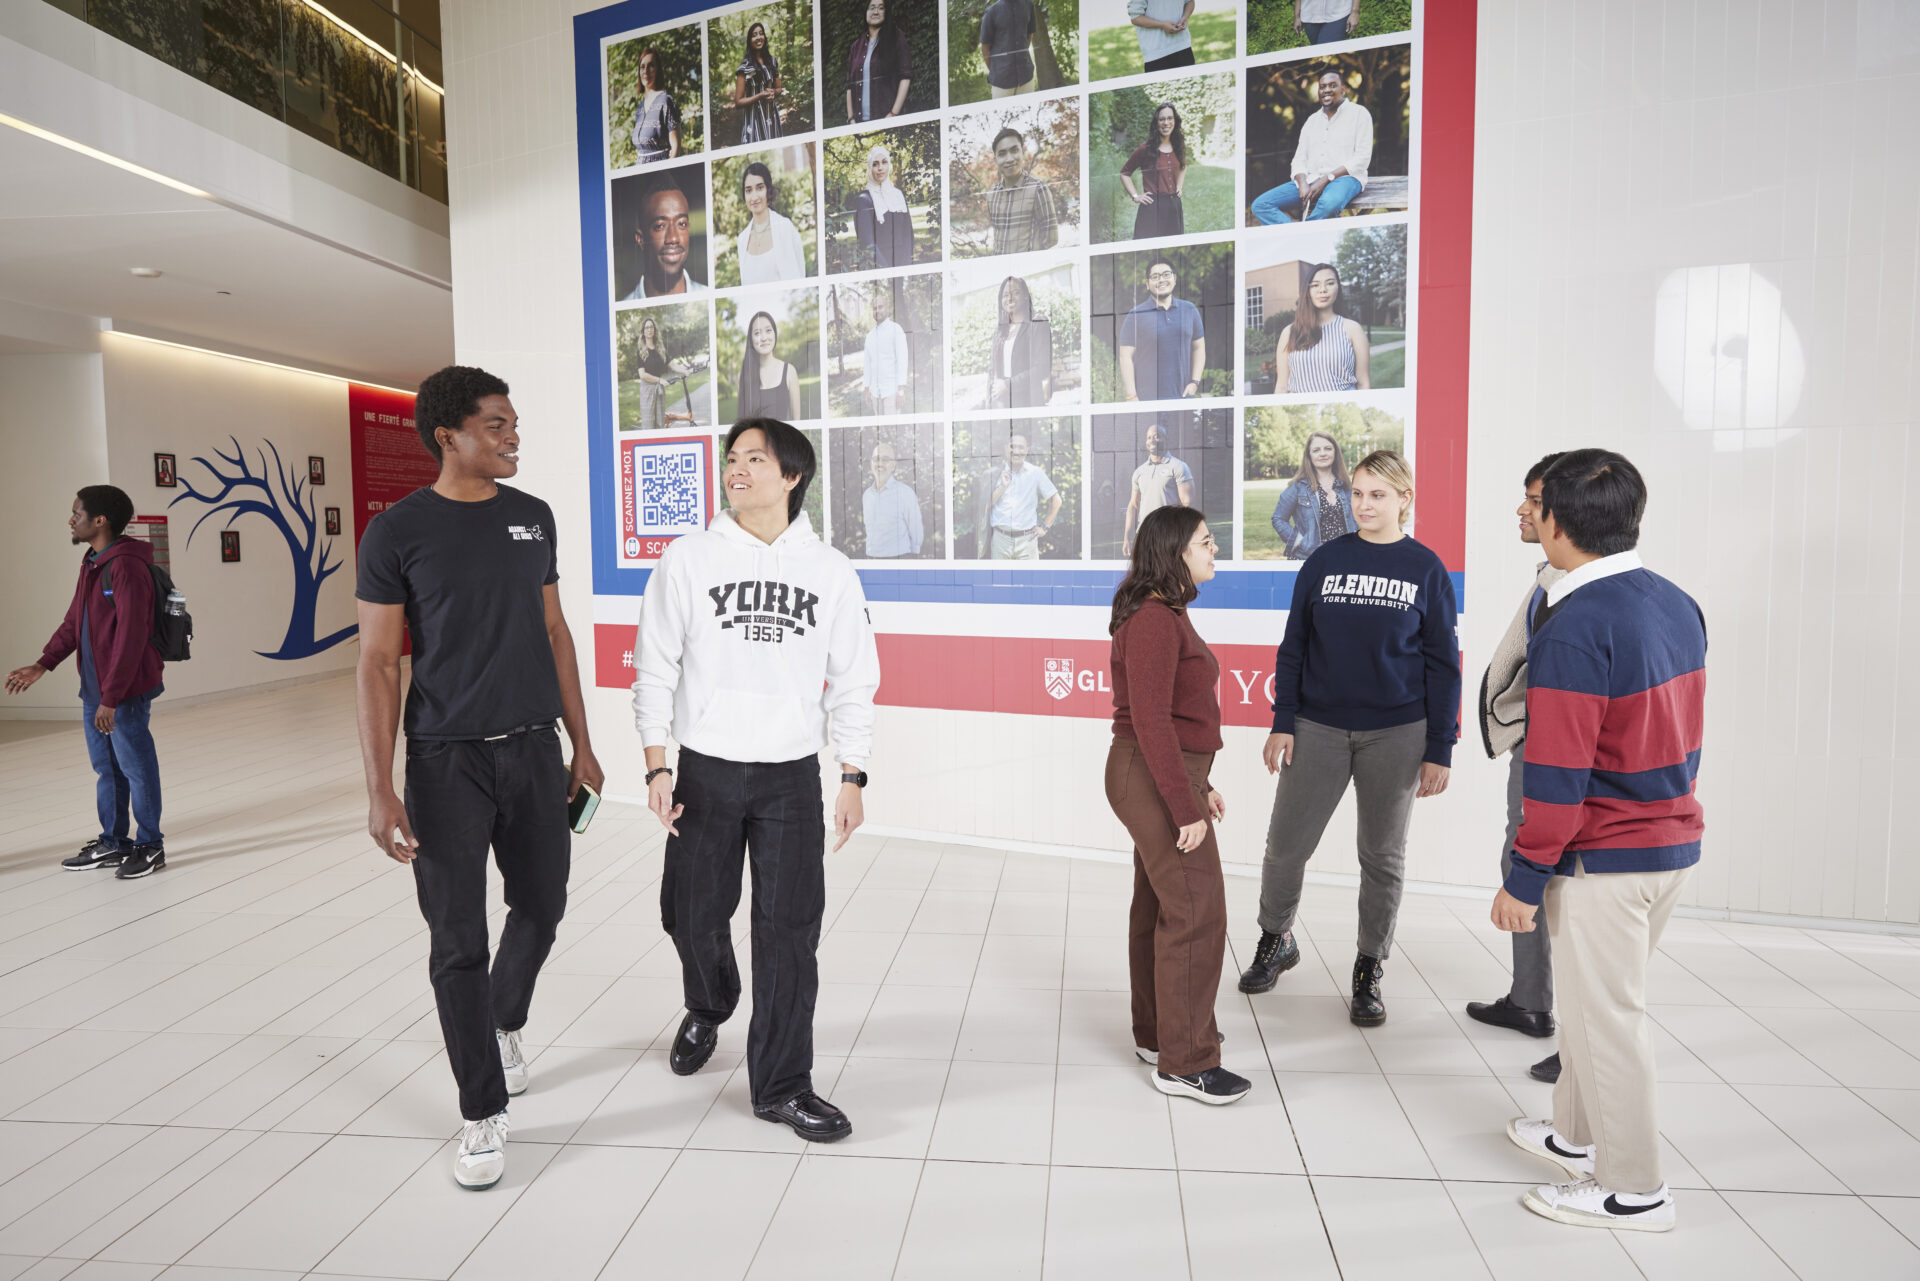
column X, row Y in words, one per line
column 1503, row 690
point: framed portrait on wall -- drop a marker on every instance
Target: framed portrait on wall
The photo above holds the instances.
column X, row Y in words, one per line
column 164, row 475
column 333, row 520
column 229, row 546
column 316, row 470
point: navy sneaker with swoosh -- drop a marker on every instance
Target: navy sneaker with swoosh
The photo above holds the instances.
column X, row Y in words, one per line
column 1587, row 1204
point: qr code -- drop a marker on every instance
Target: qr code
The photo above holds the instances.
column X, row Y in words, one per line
column 671, row 488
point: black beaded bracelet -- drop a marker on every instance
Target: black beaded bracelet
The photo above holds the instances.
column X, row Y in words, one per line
column 656, row 773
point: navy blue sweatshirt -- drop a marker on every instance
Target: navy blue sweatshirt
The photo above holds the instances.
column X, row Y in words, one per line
column 1370, row 643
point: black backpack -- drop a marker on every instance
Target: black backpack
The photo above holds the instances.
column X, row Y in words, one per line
column 172, row 633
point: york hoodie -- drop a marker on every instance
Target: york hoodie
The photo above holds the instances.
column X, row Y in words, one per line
column 752, row 651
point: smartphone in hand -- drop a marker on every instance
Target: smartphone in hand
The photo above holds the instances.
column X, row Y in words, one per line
column 580, row 809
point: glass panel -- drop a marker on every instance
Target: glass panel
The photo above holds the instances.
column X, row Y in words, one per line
column 340, row 91
column 241, row 40
column 426, row 120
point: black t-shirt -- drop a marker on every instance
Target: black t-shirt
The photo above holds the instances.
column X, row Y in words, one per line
column 470, row 575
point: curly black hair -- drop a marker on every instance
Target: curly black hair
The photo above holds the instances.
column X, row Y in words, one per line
column 450, row 397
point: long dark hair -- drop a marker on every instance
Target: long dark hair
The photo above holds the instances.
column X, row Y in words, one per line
column 1159, row 568
column 1179, row 138
column 884, row 52
column 762, row 56
column 1000, row 303
column 1304, row 333
column 750, row 359
column 1311, row 474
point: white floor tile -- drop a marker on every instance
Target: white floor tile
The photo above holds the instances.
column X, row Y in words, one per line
column 996, row 1112
column 912, row 1023
column 812, row 1235
column 651, row 1107
column 1352, row 1124
column 296, row 1222
column 1104, row 1223
column 892, row 1103
column 1252, row 1136
column 1111, row 1116
column 1709, row 1239
column 1846, row 1135
column 102, row 1191
column 1011, row 1025
column 187, row 1220
column 1803, row 1230
column 1730, row 1142
column 1238, row 1225
column 569, row 1221
column 976, row 1220
column 1428, row 1238
column 706, row 1219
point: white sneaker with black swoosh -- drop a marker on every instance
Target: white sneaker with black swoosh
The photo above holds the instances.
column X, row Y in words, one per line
column 1538, row 1137
column 1586, row 1204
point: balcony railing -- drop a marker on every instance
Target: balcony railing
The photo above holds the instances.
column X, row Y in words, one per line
column 350, row 72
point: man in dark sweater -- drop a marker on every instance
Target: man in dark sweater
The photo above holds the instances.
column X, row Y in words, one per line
column 1616, row 694
column 110, row 626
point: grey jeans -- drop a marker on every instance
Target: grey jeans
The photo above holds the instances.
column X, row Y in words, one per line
column 1532, row 953
column 1384, row 766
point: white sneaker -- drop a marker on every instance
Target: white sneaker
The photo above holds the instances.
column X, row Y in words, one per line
column 1539, row 1138
column 512, row 1062
column 1149, row 1057
column 1588, row 1205
column 483, row 1152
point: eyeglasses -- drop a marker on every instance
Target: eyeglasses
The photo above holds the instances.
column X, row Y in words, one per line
column 1159, row 275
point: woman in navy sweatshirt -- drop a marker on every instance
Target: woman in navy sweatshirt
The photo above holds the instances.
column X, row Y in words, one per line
column 1166, row 729
column 1367, row 688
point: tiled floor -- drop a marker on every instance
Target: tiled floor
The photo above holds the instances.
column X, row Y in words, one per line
column 232, row 1069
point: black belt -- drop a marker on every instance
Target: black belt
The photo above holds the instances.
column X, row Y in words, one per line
column 528, row 728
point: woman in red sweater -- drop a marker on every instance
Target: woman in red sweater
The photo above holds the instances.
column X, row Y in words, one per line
column 1166, row 728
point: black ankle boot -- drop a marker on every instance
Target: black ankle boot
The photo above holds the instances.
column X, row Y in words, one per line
column 1368, row 1010
column 1273, row 956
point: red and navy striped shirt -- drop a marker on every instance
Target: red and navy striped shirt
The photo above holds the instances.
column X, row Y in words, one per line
column 1616, row 709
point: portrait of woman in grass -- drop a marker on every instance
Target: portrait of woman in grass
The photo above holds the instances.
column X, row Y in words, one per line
column 1128, row 37
column 663, row 365
column 1162, row 158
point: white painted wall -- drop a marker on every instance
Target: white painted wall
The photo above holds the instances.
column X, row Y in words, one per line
column 188, row 403
column 1786, row 515
column 53, row 434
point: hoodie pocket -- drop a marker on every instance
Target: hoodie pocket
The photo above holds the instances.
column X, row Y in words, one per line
column 738, row 716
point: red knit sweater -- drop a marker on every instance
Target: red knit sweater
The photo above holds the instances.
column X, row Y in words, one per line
column 1165, row 698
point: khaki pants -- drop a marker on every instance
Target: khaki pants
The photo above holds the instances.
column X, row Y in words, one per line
column 1007, row 546
column 1604, row 929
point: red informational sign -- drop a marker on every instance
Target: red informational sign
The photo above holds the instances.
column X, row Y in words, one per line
column 389, row 462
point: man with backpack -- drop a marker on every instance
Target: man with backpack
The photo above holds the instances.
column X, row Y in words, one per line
column 110, row 625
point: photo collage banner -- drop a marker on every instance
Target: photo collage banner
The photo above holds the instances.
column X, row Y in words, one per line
column 1023, row 271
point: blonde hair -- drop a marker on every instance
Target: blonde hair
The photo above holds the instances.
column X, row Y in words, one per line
column 1391, row 466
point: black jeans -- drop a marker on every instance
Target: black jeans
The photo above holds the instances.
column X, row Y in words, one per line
column 776, row 812
column 462, row 797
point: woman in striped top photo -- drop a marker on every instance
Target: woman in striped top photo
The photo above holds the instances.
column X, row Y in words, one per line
column 1322, row 350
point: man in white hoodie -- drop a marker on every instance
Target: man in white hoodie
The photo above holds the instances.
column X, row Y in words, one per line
column 755, row 644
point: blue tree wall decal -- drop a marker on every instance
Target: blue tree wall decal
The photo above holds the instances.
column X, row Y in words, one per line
column 243, row 492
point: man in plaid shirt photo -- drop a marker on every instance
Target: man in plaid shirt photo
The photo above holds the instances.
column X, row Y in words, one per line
column 1020, row 206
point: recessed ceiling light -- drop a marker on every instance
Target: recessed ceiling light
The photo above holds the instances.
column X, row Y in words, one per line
column 146, row 273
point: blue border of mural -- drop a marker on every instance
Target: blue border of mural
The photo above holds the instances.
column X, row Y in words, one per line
column 1231, row 589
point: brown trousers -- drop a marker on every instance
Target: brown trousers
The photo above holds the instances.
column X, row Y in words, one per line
column 1177, row 936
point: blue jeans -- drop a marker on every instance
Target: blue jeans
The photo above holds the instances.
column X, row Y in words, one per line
column 1325, row 32
column 1334, row 197
column 127, row 772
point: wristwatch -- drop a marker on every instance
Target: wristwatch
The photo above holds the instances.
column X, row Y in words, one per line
column 858, row 778
column 656, row 773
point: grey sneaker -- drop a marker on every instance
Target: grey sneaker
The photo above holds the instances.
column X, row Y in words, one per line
column 512, row 1062
column 483, row 1152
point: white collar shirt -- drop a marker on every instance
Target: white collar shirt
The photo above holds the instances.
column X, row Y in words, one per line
column 1592, row 572
column 1343, row 142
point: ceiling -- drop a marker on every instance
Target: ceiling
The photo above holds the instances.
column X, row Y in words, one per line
column 72, row 227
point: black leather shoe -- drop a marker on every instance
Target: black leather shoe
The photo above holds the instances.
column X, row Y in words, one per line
column 810, row 1116
column 1367, row 1010
column 693, row 1045
column 1504, row 1013
column 1274, row 956
column 141, row 860
column 95, row 853
column 1547, row 1069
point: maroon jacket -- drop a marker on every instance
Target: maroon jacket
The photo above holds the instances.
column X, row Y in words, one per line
column 119, row 626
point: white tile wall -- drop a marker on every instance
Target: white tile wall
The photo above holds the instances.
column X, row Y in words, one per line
column 1753, row 146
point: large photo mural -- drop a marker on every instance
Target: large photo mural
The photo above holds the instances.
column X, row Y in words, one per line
column 1025, row 270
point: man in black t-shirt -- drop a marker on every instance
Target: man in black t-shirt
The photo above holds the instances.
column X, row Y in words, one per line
column 469, row 567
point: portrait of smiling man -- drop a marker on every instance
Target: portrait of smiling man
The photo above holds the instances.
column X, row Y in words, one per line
column 663, row 230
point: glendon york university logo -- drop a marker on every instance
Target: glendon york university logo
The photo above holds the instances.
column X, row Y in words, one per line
column 1059, row 676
